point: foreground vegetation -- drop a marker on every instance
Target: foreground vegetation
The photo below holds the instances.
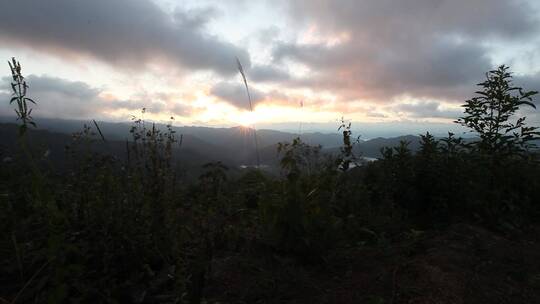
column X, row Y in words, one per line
column 330, row 228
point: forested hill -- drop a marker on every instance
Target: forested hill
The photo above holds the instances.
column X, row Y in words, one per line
column 234, row 146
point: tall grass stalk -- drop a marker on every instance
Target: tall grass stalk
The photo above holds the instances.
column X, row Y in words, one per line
column 300, row 122
column 99, row 131
column 19, row 88
column 241, row 70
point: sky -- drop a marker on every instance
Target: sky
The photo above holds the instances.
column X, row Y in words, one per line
column 385, row 65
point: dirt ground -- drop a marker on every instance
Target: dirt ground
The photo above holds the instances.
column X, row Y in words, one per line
column 463, row 264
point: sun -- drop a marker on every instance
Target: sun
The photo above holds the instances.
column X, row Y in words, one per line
column 246, row 119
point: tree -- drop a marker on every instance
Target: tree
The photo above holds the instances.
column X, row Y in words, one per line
column 492, row 115
column 428, row 146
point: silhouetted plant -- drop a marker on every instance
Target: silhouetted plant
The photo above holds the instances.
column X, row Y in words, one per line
column 492, row 115
column 451, row 146
column 297, row 157
column 19, row 90
column 298, row 217
column 348, row 156
column 427, row 181
column 428, row 146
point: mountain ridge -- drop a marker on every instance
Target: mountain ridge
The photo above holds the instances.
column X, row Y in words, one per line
column 234, row 146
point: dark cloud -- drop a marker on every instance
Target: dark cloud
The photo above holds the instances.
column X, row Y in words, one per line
column 389, row 20
column 194, row 18
column 126, row 32
column 529, row 83
column 438, row 70
column 68, row 88
column 267, row 73
column 235, row 94
column 422, row 48
column 58, row 97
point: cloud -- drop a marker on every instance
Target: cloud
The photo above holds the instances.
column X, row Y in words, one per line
column 68, row 88
column 345, row 52
column 269, row 34
column 428, row 109
column 378, row 50
column 129, row 33
column 267, row 73
column 180, row 109
column 389, row 20
column 57, row 97
column 529, row 83
column 235, row 94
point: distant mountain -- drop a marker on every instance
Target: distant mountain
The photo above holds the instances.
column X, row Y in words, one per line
column 50, row 147
column 218, row 136
column 233, row 146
